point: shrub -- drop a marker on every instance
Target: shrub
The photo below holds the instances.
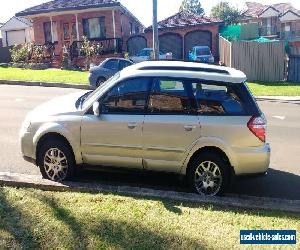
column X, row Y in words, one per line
column 89, row 51
column 21, row 53
column 27, row 52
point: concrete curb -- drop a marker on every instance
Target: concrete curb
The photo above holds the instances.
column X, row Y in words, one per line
column 247, row 202
column 279, row 98
column 46, row 84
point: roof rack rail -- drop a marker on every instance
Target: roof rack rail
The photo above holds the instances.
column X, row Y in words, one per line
column 181, row 68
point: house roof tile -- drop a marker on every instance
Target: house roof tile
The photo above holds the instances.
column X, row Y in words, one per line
column 255, row 9
column 183, row 19
column 63, row 5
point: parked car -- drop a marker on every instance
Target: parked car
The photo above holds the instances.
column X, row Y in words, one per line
column 196, row 120
column 201, row 54
column 109, row 67
column 146, row 53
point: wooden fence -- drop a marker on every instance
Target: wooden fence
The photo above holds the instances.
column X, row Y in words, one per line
column 259, row 61
column 294, row 69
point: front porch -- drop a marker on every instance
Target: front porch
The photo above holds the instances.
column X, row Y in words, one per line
column 65, row 33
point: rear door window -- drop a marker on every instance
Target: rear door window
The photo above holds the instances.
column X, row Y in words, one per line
column 123, row 64
column 170, row 96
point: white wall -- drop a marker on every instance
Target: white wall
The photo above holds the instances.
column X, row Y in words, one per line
column 289, row 16
column 13, row 25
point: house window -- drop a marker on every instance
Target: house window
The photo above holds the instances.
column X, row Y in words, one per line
column 74, row 31
column 130, row 28
column 94, row 28
column 47, row 32
column 66, row 31
column 137, row 29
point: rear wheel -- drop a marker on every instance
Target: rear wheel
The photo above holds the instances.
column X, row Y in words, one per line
column 208, row 174
column 100, row 81
column 56, row 160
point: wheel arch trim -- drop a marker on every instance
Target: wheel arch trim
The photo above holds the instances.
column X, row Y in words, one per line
column 60, row 130
column 208, row 142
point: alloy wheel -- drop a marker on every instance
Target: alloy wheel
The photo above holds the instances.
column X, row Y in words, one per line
column 208, row 178
column 56, row 164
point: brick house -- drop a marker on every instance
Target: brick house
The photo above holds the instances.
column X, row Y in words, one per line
column 280, row 20
column 61, row 23
column 179, row 33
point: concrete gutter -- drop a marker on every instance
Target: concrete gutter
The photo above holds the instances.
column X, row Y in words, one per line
column 84, row 86
column 246, row 202
column 46, row 84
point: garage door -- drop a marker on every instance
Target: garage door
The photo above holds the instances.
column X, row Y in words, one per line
column 15, row 37
column 172, row 42
column 196, row 38
column 136, row 44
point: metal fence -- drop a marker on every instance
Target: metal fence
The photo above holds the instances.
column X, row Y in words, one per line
column 259, row 61
column 294, row 69
column 5, row 56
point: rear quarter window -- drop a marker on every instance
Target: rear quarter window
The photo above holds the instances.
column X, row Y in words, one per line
column 217, row 99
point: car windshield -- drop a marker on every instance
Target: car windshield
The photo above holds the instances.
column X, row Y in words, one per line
column 203, row 52
column 102, row 86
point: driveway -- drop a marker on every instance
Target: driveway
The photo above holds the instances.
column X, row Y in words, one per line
column 282, row 181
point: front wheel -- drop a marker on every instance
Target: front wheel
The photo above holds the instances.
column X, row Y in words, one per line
column 56, row 161
column 208, row 174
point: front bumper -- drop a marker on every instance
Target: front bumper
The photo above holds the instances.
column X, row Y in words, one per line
column 93, row 80
column 27, row 148
column 253, row 160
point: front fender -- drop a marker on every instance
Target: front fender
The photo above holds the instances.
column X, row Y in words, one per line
column 208, row 142
column 54, row 127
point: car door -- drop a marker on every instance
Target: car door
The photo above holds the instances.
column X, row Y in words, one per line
column 171, row 124
column 114, row 138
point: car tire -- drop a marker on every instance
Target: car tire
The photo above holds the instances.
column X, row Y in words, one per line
column 56, row 160
column 208, row 174
column 100, row 81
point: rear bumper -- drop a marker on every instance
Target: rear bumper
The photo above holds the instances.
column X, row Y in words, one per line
column 252, row 161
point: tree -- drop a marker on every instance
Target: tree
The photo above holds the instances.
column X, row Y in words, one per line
column 226, row 12
column 193, row 6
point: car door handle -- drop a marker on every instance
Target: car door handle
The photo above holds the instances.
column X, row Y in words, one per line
column 189, row 127
column 132, row 125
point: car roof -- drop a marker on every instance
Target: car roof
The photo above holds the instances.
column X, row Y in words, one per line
column 184, row 70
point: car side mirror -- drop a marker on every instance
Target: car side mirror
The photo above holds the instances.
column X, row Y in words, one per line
column 96, row 108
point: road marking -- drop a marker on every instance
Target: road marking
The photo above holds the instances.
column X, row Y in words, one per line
column 19, row 100
column 279, row 117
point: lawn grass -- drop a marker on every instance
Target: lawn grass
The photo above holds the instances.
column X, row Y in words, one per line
column 48, row 75
column 275, row 89
column 31, row 219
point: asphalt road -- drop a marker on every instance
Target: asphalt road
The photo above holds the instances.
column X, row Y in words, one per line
column 282, row 181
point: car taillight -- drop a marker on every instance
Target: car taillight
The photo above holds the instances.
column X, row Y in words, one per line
column 257, row 125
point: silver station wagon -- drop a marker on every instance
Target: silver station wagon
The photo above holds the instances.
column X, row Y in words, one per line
column 195, row 120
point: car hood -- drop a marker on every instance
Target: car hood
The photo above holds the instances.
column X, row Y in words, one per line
column 64, row 105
